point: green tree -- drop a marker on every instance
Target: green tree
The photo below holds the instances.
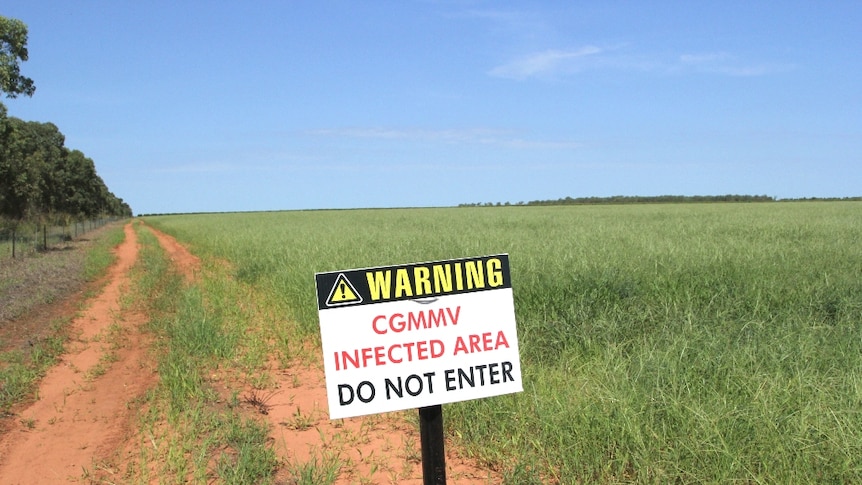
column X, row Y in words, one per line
column 79, row 171
column 47, row 152
column 21, row 169
column 13, row 51
column 88, row 189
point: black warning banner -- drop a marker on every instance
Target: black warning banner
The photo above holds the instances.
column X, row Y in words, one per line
column 366, row 286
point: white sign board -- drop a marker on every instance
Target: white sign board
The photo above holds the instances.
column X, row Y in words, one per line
column 417, row 335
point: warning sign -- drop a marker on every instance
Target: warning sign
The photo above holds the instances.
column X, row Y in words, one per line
column 414, row 281
column 417, row 335
column 342, row 293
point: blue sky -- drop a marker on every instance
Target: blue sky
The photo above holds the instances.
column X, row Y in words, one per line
column 238, row 106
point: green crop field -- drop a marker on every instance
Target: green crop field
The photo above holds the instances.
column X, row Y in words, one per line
column 659, row 343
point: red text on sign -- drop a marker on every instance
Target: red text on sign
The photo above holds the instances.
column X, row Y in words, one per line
column 393, row 354
column 434, row 318
column 484, row 342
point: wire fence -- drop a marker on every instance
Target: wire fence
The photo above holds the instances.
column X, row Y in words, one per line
column 28, row 239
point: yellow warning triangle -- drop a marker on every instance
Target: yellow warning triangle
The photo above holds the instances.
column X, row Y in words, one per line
column 343, row 293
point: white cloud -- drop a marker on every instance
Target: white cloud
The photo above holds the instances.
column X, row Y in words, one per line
column 554, row 63
column 728, row 64
column 545, row 63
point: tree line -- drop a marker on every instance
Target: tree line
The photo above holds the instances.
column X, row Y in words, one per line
column 658, row 199
column 635, row 199
column 41, row 180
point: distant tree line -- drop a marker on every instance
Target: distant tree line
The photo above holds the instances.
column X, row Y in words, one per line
column 41, row 180
column 636, row 199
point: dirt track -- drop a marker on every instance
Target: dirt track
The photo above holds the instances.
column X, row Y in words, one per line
column 86, row 403
column 83, row 423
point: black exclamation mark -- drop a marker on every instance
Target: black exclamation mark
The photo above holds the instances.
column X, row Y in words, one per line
column 343, row 289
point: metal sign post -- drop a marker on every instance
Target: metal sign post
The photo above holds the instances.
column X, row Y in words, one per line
column 433, row 452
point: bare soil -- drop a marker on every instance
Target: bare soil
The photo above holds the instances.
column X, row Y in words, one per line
column 83, row 423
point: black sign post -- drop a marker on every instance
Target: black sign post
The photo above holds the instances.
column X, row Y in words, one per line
column 431, row 438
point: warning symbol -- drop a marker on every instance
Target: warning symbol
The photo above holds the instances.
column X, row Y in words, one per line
column 343, row 293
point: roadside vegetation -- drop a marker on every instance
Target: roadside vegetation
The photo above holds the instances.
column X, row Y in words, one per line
column 27, row 284
column 200, row 422
column 659, row 343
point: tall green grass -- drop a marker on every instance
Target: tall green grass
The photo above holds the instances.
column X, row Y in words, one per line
column 101, row 256
column 195, row 337
column 679, row 342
